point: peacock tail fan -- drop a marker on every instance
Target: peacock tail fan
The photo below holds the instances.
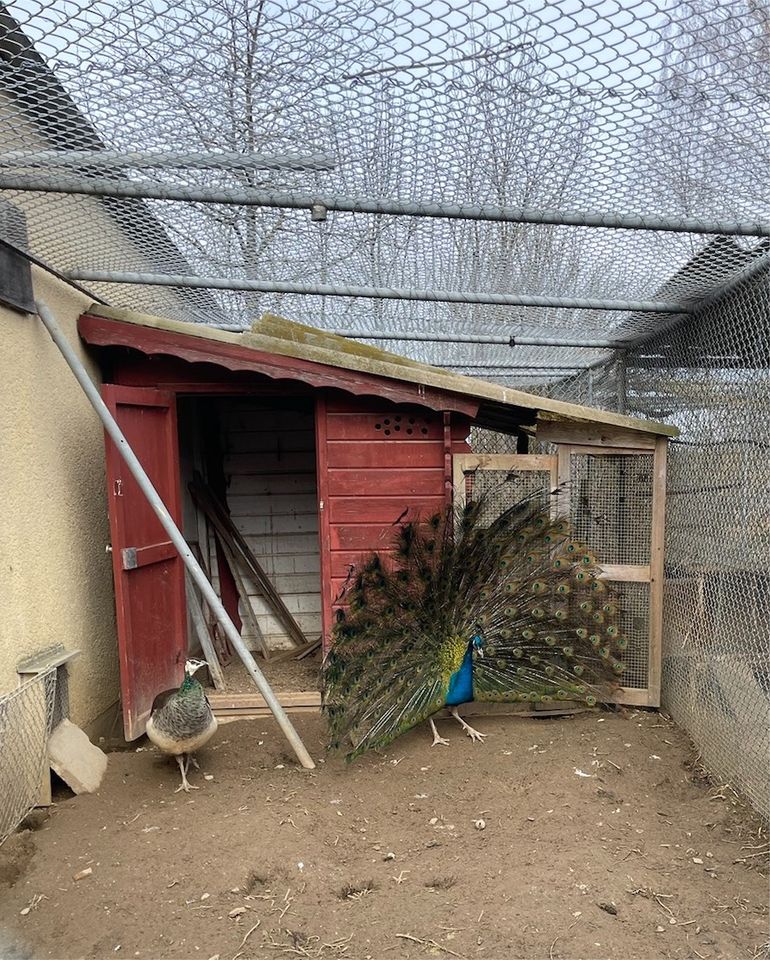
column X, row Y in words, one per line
column 549, row 625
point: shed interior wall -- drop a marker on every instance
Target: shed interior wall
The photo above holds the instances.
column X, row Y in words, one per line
column 268, row 471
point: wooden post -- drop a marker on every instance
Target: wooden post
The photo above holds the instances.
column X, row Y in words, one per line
column 657, row 569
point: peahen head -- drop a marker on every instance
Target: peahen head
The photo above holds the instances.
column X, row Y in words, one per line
column 192, row 665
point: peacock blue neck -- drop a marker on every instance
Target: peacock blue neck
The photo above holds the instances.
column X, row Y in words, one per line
column 461, row 682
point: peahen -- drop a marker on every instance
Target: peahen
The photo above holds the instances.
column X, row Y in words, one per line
column 460, row 611
column 181, row 721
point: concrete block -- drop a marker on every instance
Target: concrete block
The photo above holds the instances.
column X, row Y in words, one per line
column 77, row 761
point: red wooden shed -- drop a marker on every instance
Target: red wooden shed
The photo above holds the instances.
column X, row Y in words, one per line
column 317, row 445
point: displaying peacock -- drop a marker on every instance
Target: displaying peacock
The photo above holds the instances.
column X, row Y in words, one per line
column 181, row 721
column 513, row 610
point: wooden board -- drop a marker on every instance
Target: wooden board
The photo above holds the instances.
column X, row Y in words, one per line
column 657, row 569
column 588, row 434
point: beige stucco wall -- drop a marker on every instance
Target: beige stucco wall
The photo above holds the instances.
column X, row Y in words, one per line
column 55, row 574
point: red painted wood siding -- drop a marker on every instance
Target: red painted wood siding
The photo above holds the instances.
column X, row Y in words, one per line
column 149, row 580
column 377, row 464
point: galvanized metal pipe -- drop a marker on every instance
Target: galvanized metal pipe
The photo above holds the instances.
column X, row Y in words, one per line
column 375, row 293
column 507, row 341
column 287, row 200
column 175, row 535
column 166, row 160
column 534, row 368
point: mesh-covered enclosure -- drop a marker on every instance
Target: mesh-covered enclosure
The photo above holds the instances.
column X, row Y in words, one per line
column 26, row 717
column 586, row 176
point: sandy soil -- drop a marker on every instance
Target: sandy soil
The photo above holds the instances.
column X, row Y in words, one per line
column 585, row 837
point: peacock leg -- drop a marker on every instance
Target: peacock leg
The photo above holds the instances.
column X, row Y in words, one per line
column 184, row 763
column 436, row 738
column 472, row 733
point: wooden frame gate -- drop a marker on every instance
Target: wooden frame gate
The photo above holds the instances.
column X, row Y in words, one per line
column 611, row 485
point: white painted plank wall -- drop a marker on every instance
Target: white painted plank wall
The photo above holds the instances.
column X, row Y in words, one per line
column 272, row 496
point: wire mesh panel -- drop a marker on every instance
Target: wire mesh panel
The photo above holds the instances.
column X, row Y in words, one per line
column 611, row 505
column 501, row 489
column 634, row 603
column 26, row 716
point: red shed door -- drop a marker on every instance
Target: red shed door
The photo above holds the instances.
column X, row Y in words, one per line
column 149, row 574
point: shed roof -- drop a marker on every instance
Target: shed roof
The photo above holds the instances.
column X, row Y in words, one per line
column 498, row 407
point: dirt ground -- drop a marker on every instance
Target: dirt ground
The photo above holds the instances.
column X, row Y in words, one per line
column 283, row 675
column 586, row 837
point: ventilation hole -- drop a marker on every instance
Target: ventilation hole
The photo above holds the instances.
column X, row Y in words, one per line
column 386, row 422
column 397, row 427
column 409, row 431
column 424, row 430
column 411, row 419
column 398, row 419
column 378, row 426
column 387, row 433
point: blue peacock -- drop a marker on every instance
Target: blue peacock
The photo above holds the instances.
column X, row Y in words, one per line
column 464, row 610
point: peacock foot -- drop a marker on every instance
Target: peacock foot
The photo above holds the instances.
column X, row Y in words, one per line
column 475, row 735
column 436, row 738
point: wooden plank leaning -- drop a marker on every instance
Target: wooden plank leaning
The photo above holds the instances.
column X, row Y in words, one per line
column 232, row 538
column 248, row 611
column 202, row 632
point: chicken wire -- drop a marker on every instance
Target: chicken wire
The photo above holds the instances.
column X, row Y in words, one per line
column 26, row 718
column 647, row 123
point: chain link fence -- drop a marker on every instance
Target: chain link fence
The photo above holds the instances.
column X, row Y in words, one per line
column 26, row 718
column 709, row 375
column 585, row 177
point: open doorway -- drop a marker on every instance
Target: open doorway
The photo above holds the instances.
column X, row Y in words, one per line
column 255, row 458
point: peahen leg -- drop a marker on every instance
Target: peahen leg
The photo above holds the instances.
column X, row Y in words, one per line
column 472, row 733
column 184, row 763
column 436, row 738
column 193, row 761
